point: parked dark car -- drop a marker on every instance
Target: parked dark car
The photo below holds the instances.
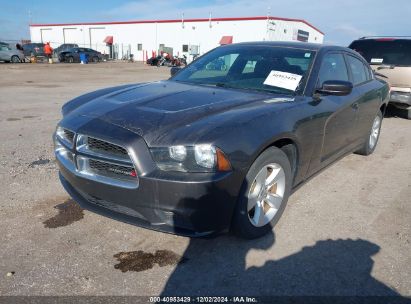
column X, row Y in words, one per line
column 213, row 150
column 64, row 47
column 36, row 49
column 73, row 55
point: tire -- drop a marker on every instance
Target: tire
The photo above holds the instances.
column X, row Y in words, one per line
column 372, row 139
column 408, row 113
column 95, row 59
column 70, row 59
column 15, row 59
column 254, row 216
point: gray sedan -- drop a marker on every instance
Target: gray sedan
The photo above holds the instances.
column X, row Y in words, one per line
column 9, row 54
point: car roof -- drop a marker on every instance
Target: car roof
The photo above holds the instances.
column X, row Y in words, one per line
column 301, row 45
column 385, row 38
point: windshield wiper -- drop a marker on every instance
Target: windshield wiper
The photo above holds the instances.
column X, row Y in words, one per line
column 386, row 66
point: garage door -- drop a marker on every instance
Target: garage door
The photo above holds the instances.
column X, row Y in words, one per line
column 97, row 36
column 46, row 35
column 70, row 35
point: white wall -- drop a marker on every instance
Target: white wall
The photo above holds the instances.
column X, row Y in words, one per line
column 205, row 34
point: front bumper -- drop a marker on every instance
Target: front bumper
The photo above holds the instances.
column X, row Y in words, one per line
column 193, row 204
column 401, row 97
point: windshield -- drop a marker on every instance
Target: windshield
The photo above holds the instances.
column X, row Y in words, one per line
column 261, row 68
column 384, row 51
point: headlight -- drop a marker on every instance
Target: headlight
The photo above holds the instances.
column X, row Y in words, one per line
column 198, row 158
column 205, row 156
column 178, row 153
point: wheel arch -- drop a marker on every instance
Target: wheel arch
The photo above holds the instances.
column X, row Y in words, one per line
column 383, row 108
column 289, row 145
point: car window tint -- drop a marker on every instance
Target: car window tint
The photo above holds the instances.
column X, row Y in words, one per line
column 219, row 67
column 384, row 51
column 249, row 66
column 333, row 67
column 359, row 74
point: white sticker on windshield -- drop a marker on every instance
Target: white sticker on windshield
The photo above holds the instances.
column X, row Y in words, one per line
column 307, row 55
column 377, row 60
column 284, row 80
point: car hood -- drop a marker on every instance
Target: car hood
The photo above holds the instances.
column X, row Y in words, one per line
column 155, row 108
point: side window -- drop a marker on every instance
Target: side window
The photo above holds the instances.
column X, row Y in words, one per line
column 358, row 71
column 333, row 68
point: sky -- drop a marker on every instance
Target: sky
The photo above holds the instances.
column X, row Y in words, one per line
column 342, row 21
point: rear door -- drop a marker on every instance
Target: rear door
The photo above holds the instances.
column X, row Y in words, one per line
column 369, row 98
column 340, row 126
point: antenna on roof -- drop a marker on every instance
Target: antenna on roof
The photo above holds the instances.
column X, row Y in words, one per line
column 268, row 12
column 182, row 20
column 209, row 20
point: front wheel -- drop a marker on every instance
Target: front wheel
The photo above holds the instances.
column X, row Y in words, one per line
column 264, row 194
column 371, row 141
column 70, row 59
column 95, row 59
column 15, row 59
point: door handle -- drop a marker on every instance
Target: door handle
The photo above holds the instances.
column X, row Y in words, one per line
column 355, row 106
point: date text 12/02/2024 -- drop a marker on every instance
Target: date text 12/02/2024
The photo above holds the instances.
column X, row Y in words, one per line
column 239, row 299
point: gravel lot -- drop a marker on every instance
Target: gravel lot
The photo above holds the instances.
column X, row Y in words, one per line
column 345, row 232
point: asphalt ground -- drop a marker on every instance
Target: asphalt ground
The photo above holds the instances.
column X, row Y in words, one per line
column 345, row 232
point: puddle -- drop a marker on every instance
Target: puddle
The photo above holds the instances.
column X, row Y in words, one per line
column 69, row 212
column 39, row 162
column 13, row 119
column 141, row 261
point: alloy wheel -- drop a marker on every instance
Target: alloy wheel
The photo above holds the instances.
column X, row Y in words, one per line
column 375, row 132
column 266, row 194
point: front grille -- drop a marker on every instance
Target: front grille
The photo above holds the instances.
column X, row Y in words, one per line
column 95, row 159
column 104, row 147
column 68, row 135
column 112, row 170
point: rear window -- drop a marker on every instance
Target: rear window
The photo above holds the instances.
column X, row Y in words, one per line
column 396, row 52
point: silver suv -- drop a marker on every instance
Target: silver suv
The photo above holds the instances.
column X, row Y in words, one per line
column 10, row 54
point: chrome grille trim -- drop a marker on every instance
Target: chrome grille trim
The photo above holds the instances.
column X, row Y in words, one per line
column 66, row 136
column 115, row 169
column 84, row 169
column 69, row 135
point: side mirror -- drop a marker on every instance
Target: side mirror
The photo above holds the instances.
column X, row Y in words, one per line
column 336, row 87
column 174, row 70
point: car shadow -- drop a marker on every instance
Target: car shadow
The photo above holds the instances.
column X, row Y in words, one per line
column 218, row 266
column 328, row 268
column 394, row 112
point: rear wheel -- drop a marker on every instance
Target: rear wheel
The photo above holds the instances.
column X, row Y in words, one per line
column 371, row 142
column 15, row 59
column 70, row 59
column 264, row 194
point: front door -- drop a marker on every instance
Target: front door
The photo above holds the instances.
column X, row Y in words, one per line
column 340, row 126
